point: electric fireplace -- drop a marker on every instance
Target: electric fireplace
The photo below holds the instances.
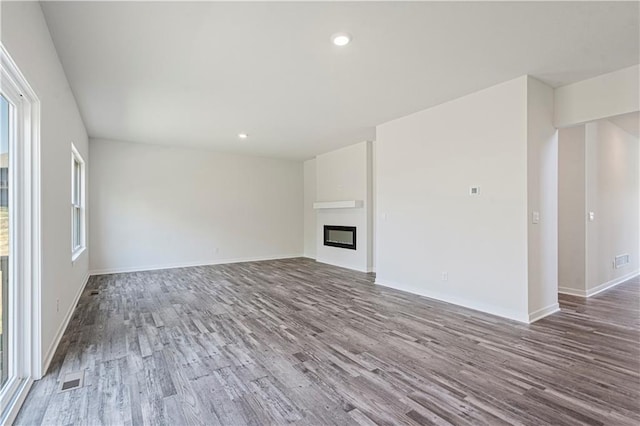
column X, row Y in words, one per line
column 340, row 236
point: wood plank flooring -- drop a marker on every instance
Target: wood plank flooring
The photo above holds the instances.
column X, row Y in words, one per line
column 294, row 341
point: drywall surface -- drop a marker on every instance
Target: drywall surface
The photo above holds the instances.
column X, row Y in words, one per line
column 26, row 37
column 433, row 237
column 156, row 207
column 342, row 174
column 542, row 199
column 309, row 212
column 371, row 190
column 600, row 97
column 571, row 210
column 345, row 174
column 612, row 194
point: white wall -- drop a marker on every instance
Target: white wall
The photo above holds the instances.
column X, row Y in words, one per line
column 600, row 97
column 427, row 223
column 599, row 173
column 571, row 210
column 613, row 194
column 374, row 206
column 371, row 207
column 345, row 174
column 309, row 212
column 542, row 197
column 155, row 207
column 342, row 174
column 26, row 37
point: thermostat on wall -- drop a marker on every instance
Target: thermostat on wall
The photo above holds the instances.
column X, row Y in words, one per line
column 474, row 190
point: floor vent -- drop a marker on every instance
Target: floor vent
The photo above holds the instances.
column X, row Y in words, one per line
column 72, row 381
column 95, row 292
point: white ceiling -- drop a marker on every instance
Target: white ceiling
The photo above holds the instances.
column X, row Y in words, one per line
column 197, row 74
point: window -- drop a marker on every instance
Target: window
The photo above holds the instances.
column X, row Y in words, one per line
column 6, row 110
column 77, row 203
column 20, row 351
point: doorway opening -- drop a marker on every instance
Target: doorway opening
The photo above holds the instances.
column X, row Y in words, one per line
column 598, row 204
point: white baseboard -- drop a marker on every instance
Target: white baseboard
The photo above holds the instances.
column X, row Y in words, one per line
column 189, row 264
column 353, row 268
column 572, row 291
column 465, row 303
column 541, row 313
column 56, row 341
column 605, row 286
column 367, row 270
column 599, row 288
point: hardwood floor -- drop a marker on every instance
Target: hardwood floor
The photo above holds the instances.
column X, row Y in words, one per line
column 293, row 341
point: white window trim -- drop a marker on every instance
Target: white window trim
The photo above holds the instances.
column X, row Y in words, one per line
column 26, row 264
column 77, row 251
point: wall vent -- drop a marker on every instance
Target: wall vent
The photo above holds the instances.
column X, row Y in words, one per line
column 621, row 260
column 72, row 381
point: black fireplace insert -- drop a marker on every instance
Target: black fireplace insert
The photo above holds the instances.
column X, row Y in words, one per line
column 340, row 236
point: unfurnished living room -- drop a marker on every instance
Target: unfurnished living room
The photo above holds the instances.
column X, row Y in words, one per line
column 319, row 213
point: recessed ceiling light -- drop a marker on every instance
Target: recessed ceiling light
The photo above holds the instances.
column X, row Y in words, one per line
column 243, row 135
column 341, row 39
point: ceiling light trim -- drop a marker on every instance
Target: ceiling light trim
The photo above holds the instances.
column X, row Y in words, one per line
column 341, row 39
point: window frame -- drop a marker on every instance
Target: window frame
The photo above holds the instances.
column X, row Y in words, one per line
column 78, row 208
column 24, row 222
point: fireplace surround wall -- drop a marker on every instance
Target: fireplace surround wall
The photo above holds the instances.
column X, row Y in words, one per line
column 343, row 198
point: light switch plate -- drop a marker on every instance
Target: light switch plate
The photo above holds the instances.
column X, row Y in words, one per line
column 535, row 218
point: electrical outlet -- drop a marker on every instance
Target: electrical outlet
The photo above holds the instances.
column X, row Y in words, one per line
column 57, row 305
column 445, row 276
